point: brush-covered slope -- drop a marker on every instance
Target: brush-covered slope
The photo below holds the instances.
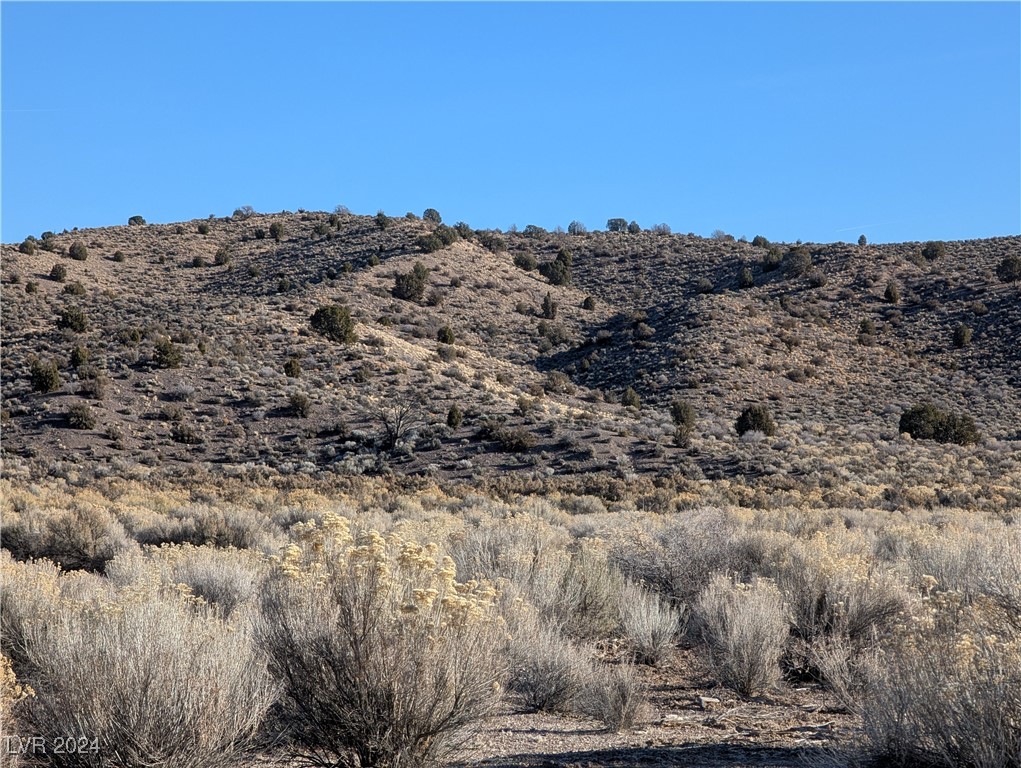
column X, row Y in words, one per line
column 192, row 343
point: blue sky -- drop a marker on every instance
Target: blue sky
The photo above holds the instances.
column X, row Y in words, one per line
column 811, row 121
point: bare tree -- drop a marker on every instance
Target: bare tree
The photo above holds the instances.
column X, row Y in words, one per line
column 398, row 414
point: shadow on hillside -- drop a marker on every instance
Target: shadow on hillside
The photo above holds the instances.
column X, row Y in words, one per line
column 702, row 755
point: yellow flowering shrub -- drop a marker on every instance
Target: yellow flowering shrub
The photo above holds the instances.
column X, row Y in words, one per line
column 381, row 652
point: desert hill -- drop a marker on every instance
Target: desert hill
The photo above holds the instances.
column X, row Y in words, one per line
column 189, row 346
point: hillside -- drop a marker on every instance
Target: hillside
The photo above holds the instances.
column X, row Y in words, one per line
column 191, row 330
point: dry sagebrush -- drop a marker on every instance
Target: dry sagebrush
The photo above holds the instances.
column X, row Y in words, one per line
column 383, row 656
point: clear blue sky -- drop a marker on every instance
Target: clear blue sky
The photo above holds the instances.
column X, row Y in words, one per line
column 805, row 121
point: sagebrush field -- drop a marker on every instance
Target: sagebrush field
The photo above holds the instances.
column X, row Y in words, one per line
column 336, row 490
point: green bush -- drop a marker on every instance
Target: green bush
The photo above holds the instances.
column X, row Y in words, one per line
column 633, row 228
column 589, row 303
column 704, row 285
column 81, row 416
column 73, row 319
column 222, row 257
column 1009, row 270
column 630, row 398
column 300, row 405
column 447, row 235
column 166, row 354
column 44, row 377
column 31, row 287
column 203, row 228
column 863, row 241
column 463, row 230
column 411, row 286
column 798, row 262
column 933, row 250
column 74, row 289
column 198, row 261
column 892, row 293
column 760, row 242
column 432, row 215
column 119, row 257
column 745, row 278
column 136, row 221
column 817, row 278
column 558, row 271
column 755, row 417
column 335, row 323
column 276, row 231
column 78, row 251
column 382, row 220
column 772, row 260
column 260, row 233
column 445, row 335
column 515, row 439
column 292, row 368
column 79, row 356
column 927, row 422
column 962, row 336
column 549, row 307
column 27, row 246
column 492, row 241
column 682, row 413
column 429, row 243
column 525, row 261
column 454, row 416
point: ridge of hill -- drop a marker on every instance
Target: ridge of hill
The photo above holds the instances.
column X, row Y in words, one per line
column 812, row 331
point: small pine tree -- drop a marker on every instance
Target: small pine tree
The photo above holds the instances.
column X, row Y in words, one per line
column 558, row 271
column 682, row 413
column 73, row 319
column 745, row 278
column 78, row 251
column 525, row 261
column 755, row 417
column 549, row 307
column 276, row 231
column 962, row 336
column 454, row 417
column 863, row 241
column 58, row 273
column 616, row 225
column 589, row 303
column 292, row 368
column 892, row 293
column 432, row 215
column 136, row 221
column 633, row 228
column 166, row 354
column 1009, row 270
column 411, row 286
column 44, row 377
column 630, row 398
column 934, row 249
column 335, row 323
column 445, row 335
